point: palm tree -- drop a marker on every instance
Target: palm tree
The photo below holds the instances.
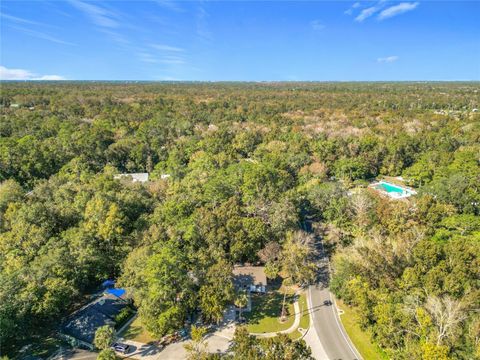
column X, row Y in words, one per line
column 241, row 300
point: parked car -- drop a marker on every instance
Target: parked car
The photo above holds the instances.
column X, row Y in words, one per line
column 257, row 289
column 121, row 348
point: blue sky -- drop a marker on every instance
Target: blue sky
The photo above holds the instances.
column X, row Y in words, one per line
column 227, row 40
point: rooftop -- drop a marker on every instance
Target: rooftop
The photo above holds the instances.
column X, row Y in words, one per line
column 136, row 177
column 83, row 323
column 249, row 275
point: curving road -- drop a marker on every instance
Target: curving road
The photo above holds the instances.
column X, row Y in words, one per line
column 330, row 332
column 326, row 322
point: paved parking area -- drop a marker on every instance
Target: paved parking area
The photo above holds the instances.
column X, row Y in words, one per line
column 217, row 342
column 176, row 351
column 74, row 354
column 152, row 352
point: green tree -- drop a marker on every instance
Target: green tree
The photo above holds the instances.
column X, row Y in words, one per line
column 272, row 269
column 351, row 169
column 217, row 291
column 10, row 191
column 107, row 354
column 166, row 292
column 241, row 300
column 197, row 347
column 104, row 337
column 297, row 260
column 433, row 351
column 282, row 347
column 245, row 346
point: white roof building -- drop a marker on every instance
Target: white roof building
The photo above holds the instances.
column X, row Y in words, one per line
column 136, row 177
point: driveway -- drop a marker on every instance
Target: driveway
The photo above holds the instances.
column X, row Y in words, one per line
column 73, row 354
column 176, row 351
column 217, row 342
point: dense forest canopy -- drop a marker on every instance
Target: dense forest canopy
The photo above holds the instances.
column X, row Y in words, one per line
column 248, row 164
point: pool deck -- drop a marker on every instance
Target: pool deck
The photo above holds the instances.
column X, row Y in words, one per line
column 407, row 191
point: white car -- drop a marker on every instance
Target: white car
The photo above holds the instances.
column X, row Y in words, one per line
column 257, row 289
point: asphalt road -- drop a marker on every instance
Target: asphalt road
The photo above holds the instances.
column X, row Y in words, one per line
column 330, row 331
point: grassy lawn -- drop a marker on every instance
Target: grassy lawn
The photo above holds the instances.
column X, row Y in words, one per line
column 44, row 346
column 360, row 338
column 136, row 332
column 305, row 319
column 265, row 314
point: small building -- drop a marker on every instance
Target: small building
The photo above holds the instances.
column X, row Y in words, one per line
column 250, row 278
column 80, row 327
column 135, row 177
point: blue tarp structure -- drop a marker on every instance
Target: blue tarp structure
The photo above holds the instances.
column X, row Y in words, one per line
column 116, row 292
column 108, row 283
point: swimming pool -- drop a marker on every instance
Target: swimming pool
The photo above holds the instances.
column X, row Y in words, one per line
column 393, row 191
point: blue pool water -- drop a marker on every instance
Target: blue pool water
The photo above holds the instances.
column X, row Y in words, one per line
column 389, row 188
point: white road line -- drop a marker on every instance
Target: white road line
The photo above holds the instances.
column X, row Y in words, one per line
column 318, row 351
column 342, row 330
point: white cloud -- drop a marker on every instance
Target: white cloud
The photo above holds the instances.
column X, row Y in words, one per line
column 172, row 60
column 366, row 13
column 203, row 31
column 98, row 15
column 22, row 74
column 349, row 11
column 14, row 74
column 50, row 77
column 166, row 48
column 168, row 4
column 146, row 57
column 168, row 78
column 116, row 37
column 169, row 55
column 382, row 14
column 41, row 35
column 397, row 10
column 21, row 20
column 388, row 59
column 317, row 25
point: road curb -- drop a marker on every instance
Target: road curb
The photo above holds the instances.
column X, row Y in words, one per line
column 344, row 332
